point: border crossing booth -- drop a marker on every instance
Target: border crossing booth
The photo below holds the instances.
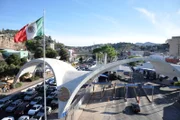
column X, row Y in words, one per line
column 149, row 74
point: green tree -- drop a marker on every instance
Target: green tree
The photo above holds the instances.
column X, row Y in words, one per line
column 111, row 53
column 133, row 63
column 59, row 46
column 63, row 53
column 13, row 59
column 12, row 70
column 23, row 61
column 3, row 68
column 31, row 45
column 80, row 60
column 38, row 53
column 50, row 53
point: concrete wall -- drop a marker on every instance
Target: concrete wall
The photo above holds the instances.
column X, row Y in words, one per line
column 174, row 46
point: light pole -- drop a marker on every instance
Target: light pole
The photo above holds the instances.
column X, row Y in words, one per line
column 152, row 93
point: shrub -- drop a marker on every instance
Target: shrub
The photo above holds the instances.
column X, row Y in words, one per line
column 18, row 84
column 35, row 78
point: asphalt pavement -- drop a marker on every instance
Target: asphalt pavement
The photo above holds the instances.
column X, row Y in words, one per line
column 162, row 107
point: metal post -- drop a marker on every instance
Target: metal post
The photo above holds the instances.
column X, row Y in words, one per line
column 45, row 115
column 152, row 94
column 115, row 90
column 126, row 93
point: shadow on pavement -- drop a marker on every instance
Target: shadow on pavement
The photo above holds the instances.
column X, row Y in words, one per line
column 171, row 112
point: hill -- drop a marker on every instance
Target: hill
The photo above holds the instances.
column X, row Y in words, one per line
column 146, row 44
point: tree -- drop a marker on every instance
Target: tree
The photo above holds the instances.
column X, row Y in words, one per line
column 50, row 53
column 31, row 45
column 3, row 68
column 38, row 53
column 111, row 53
column 13, row 59
column 132, row 64
column 63, row 53
column 12, row 70
column 59, row 46
column 23, row 61
column 80, row 60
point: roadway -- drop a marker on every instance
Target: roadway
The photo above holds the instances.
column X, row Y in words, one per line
column 164, row 106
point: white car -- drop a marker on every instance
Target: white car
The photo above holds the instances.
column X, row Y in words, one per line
column 41, row 112
column 24, row 117
column 36, row 118
column 34, row 109
column 8, row 118
column 36, row 100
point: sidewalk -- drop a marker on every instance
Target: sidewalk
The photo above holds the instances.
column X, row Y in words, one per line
column 24, row 86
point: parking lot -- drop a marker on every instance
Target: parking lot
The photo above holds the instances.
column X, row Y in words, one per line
column 30, row 103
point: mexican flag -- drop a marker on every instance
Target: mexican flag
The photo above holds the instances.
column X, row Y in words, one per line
column 30, row 31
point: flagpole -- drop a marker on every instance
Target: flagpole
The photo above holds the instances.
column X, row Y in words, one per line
column 44, row 66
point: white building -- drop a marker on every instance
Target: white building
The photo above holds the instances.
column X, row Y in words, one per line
column 174, row 46
column 51, row 45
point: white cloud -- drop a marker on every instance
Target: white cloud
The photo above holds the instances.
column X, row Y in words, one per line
column 148, row 14
column 163, row 23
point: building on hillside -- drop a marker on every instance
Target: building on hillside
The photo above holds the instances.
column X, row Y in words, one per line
column 136, row 53
column 21, row 54
column 51, row 45
column 72, row 55
column 174, row 46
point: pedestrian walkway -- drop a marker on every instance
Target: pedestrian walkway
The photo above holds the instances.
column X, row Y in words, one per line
column 24, row 86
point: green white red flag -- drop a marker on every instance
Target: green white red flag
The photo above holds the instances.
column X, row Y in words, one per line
column 30, row 31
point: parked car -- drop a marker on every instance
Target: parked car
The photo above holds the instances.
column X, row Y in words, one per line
column 53, row 83
column 30, row 97
column 30, row 91
column 4, row 103
column 18, row 96
column 8, row 118
column 24, row 117
column 50, row 80
column 36, row 100
column 34, row 109
column 135, row 107
column 37, row 118
column 14, row 105
column 52, row 95
column 51, row 89
column 54, row 103
column 23, row 108
column 41, row 112
column 40, row 88
column 48, row 102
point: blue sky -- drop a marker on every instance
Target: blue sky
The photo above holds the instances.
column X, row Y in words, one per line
column 88, row 22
